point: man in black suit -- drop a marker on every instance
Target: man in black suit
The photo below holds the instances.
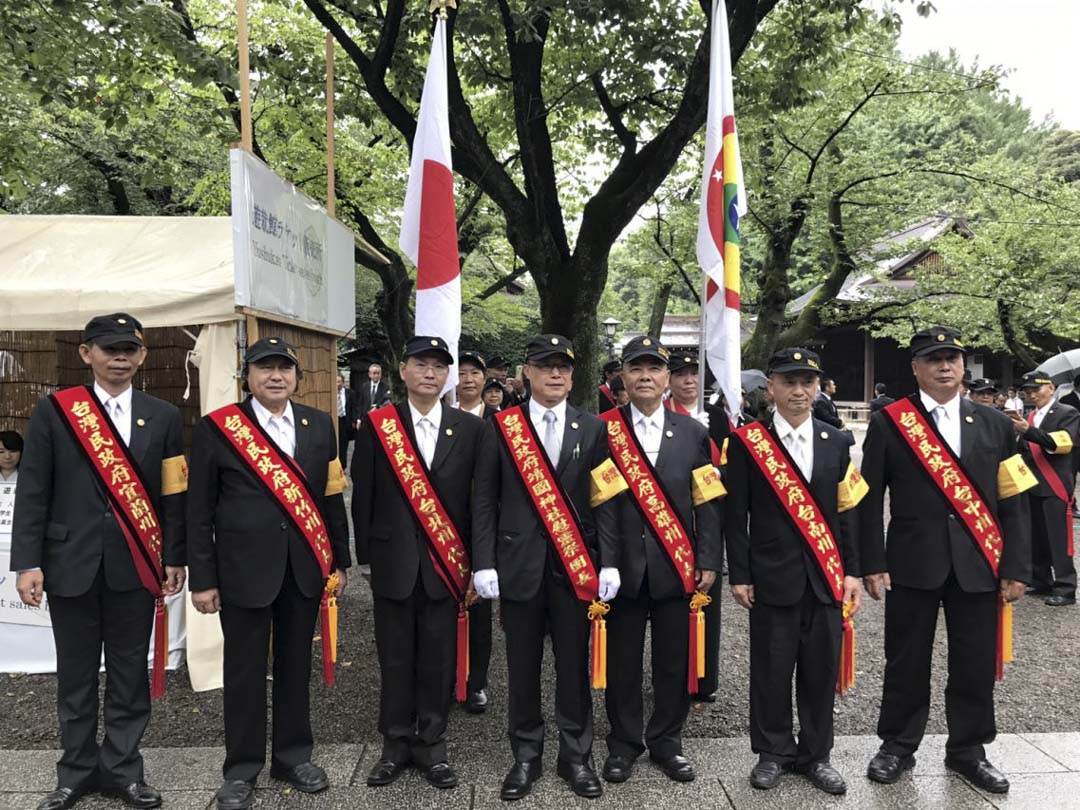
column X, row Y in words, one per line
column 932, row 559
column 1048, row 435
column 415, row 611
column 824, row 407
column 262, row 566
column 67, row 540
column 983, row 391
column 881, row 399
column 348, row 417
column 516, row 560
column 676, row 450
column 795, row 604
column 373, row 392
column 1072, row 399
column 605, row 394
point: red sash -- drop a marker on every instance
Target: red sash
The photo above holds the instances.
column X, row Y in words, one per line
column 715, row 456
column 1054, row 482
column 119, row 475
column 786, row 481
column 546, row 495
column 445, row 546
column 605, row 390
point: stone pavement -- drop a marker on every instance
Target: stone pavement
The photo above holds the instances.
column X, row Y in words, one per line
column 1044, row 770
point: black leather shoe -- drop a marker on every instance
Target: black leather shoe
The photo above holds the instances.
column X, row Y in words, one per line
column 305, row 777
column 477, row 702
column 519, row 780
column 704, row 698
column 677, row 768
column 441, row 775
column 825, row 777
column 886, row 768
column 581, row 777
column 980, row 773
column 1035, row 590
column 617, row 768
column 235, row 795
column 384, row 772
column 137, row 794
column 765, row 774
column 60, row 799
column 1060, row 600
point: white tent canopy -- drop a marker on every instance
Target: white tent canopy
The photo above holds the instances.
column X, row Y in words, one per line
column 57, row 272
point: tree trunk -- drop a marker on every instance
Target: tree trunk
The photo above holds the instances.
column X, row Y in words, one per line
column 659, row 309
column 1012, row 340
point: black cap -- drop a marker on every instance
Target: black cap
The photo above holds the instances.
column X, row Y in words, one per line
column 1035, row 379
column 498, row 361
column 681, row 360
column 935, row 339
column 546, row 345
column 611, row 366
column 645, row 346
column 271, row 347
column 795, row 358
column 983, row 384
column 109, row 330
column 492, row 382
column 427, row 344
column 475, row 358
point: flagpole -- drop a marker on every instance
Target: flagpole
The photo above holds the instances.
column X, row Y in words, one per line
column 703, row 360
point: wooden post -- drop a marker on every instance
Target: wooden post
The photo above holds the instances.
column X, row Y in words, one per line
column 330, row 194
column 245, row 75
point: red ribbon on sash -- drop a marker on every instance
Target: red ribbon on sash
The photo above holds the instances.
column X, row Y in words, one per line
column 445, row 546
column 673, row 404
column 116, row 470
column 287, row 486
column 1053, row 480
column 786, row 481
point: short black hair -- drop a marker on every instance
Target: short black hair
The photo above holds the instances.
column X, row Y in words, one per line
column 11, row 440
column 879, row 388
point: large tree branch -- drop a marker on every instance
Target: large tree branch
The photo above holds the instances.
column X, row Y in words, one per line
column 614, row 115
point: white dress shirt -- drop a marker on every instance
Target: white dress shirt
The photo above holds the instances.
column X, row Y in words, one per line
column 1015, row 404
column 341, row 403
column 799, row 441
column 282, row 429
column 119, row 410
column 649, row 430
column 10, row 479
column 427, row 429
column 1040, row 413
column 946, row 417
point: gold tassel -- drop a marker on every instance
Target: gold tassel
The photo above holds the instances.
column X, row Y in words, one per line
column 697, row 604
column 597, row 611
column 1007, row 633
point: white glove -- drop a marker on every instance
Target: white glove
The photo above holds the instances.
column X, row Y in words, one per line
column 703, row 417
column 609, row 583
column 486, row 583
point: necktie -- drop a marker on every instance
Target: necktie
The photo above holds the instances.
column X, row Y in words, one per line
column 551, row 438
column 341, row 403
column 427, row 443
column 796, row 446
column 941, row 419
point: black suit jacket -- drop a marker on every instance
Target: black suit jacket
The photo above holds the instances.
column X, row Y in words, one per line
column 1059, row 417
column 63, row 523
column 239, row 539
column 825, row 411
column 877, row 403
column 925, row 540
column 684, row 447
column 366, row 402
column 352, row 411
column 386, row 531
column 507, row 534
column 764, row 548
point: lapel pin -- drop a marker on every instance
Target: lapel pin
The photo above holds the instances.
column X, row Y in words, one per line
column 140, row 422
column 824, row 435
column 573, row 425
column 304, row 421
column 449, row 431
column 969, row 419
column 670, row 434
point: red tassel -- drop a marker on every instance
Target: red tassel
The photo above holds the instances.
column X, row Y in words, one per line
column 1069, row 525
column 327, row 642
column 462, row 691
column 691, row 666
column 845, row 676
column 161, row 648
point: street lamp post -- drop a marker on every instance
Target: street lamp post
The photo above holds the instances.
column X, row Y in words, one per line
column 611, row 325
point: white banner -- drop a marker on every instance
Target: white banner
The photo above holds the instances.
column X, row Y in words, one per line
column 7, row 513
column 290, row 257
column 12, row 609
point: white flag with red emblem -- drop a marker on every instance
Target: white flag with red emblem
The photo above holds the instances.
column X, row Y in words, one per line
column 723, row 201
column 429, row 221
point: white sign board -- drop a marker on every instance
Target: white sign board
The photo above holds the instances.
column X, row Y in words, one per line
column 7, row 513
column 290, row 257
column 12, row 609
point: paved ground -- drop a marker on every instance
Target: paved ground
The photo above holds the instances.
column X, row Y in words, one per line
column 1044, row 769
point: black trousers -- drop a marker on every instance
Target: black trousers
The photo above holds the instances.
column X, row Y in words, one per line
column 290, row 622
column 524, row 623
column 1052, row 566
column 626, row 648
column 479, row 645
column 344, row 435
column 910, row 620
column 801, row 640
column 416, row 639
column 709, row 684
column 121, row 622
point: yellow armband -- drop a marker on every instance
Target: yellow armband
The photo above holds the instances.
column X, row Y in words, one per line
column 606, row 482
column 335, row 478
column 1014, row 476
column 174, row 475
column 851, row 490
column 706, row 484
column 1063, row 442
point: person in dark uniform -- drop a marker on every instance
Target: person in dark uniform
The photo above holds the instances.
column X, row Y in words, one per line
column 605, row 392
column 66, row 540
column 652, row 591
column 881, row 399
column 824, row 407
column 517, row 562
column 983, row 391
column 415, row 611
column 1072, row 399
column 618, row 391
column 931, row 560
column 1048, row 437
column 795, row 616
column 250, row 561
column 348, row 417
column 685, row 368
